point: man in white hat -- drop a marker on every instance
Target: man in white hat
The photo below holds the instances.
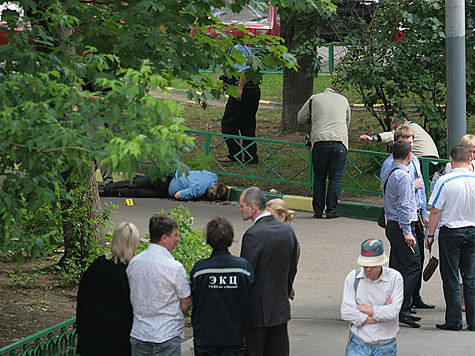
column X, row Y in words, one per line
column 372, row 299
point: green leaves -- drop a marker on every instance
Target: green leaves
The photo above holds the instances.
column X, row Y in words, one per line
column 399, row 59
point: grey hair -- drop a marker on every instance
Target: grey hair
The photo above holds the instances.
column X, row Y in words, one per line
column 253, row 195
column 125, row 240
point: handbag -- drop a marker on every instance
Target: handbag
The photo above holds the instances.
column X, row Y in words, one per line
column 430, row 267
column 382, row 217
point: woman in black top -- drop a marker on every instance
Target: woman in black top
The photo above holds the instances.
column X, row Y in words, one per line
column 104, row 313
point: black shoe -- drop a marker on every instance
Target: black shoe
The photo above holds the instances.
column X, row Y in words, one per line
column 413, row 311
column 470, row 328
column 448, row 327
column 415, row 318
column 317, row 216
column 408, row 321
column 419, row 304
column 334, row 216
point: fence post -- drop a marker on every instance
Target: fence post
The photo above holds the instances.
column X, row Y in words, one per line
column 330, row 58
column 425, row 175
column 207, row 144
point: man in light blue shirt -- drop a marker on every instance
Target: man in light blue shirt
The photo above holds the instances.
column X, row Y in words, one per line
column 184, row 186
column 193, row 184
column 404, row 133
column 401, row 215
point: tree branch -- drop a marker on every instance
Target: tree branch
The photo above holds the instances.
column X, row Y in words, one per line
column 53, row 149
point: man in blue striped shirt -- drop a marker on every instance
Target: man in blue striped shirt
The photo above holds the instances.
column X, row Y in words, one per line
column 453, row 208
column 404, row 133
column 401, row 216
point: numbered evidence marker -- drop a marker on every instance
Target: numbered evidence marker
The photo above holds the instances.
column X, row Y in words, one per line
column 129, row 202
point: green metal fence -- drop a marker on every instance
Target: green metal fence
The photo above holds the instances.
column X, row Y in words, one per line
column 330, row 59
column 290, row 163
column 277, row 159
column 57, row 340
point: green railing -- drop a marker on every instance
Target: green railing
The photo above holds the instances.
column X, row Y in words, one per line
column 330, row 59
column 57, row 340
column 290, row 163
column 277, row 159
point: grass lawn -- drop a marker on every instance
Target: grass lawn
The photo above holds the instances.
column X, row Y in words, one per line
column 272, row 86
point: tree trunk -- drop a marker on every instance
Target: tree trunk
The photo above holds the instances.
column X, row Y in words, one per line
column 297, row 85
column 81, row 218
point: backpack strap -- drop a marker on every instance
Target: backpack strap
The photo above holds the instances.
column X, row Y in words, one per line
column 357, row 280
column 385, row 183
column 355, row 286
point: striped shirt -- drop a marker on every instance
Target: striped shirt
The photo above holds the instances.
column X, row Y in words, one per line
column 399, row 197
column 415, row 172
column 454, row 194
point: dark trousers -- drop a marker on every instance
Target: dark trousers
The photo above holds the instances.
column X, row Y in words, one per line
column 219, row 351
column 404, row 260
column 268, row 341
column 141, row 187
column 457, row 251
column 433, row 166
column 419, row 235
column 239, row 118
column 328, row 160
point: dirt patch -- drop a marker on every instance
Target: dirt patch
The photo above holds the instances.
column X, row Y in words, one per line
column 32, row 299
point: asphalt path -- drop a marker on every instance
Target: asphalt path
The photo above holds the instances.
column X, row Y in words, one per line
column 329, row 249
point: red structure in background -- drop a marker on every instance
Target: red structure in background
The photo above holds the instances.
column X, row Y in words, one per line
column 7, row 6
column 263, row 25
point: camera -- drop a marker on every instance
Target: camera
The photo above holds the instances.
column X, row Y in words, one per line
column 228, row 80
column 308, row 142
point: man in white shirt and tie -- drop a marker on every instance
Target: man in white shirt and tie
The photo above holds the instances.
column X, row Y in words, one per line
column 372, row 299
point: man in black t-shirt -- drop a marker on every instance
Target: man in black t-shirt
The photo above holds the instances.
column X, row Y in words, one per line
column 220, row 289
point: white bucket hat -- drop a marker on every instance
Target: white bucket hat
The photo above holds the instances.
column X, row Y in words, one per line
column 372, row 253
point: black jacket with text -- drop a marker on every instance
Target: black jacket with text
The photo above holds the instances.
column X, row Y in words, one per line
column 220, row 286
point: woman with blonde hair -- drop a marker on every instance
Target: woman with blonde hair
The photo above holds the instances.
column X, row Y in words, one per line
column 280, row 210
column 104, row 313
column 468, row 141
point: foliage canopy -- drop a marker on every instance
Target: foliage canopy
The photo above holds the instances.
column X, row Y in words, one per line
column 75, row 89
column 399, row 57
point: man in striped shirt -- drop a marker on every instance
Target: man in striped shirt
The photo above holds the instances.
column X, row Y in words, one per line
column 453, row 209
column 401, row 216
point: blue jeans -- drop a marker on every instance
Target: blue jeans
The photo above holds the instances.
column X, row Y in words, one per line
column 328, row 160
column 170, row 347
column 356, row 347
column 457, row 250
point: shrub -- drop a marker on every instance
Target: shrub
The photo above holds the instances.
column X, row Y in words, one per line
column 192, row 245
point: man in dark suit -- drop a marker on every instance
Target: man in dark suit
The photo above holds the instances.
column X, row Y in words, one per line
column 270, row 246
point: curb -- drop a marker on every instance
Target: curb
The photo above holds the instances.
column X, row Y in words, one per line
column 297, row 202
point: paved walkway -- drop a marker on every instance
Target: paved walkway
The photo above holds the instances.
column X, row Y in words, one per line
column 329, row 249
